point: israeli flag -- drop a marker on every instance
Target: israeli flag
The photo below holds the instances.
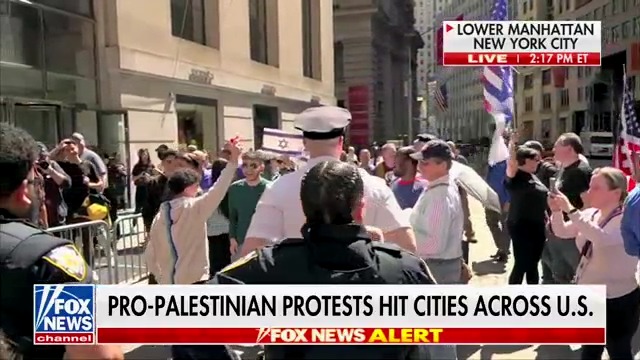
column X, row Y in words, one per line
column 282, row 142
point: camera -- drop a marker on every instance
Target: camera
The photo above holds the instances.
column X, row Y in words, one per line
column 44, row 165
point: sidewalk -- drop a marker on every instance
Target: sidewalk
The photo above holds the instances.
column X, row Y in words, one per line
column 486, row 273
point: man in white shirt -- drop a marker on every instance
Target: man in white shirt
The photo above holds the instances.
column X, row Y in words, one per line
column 438, row 216
column 279, row 213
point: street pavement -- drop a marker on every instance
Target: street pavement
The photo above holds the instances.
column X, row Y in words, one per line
column 486, row 273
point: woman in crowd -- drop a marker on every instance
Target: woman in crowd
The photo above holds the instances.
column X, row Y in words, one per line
column 603, row 259
column 527, row 216
column 142, row 171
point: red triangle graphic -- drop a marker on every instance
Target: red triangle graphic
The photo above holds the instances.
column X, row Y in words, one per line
column 449, row 28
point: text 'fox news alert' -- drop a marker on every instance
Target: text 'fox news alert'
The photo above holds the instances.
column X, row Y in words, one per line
column 63, row 314
column 522, row 43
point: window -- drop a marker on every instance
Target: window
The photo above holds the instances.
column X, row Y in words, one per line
column 528, row 104
column 588, row 94
column 615, row 6
column 524, row 6
column 531, row 5
column 580, row 95
column 311, row 39
column 545, row 129
column 528, row 81
column 605, row 10
column 580, row 72
column 636, row 26
column 82, row 7
column 263, row 31
column 615, row 33
column 187, row 20
column 562, row 125
column 546, row 77
column 338, row 60
column 567, row 4
column 564, row 97
column 626, row 29
column 596, row 14
column 546, row 101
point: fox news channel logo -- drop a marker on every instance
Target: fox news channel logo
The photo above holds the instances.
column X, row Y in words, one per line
column 63, row 314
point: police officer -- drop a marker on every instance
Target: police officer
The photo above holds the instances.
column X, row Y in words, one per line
column 333, row 249
column 279, row 213
column 31, row 256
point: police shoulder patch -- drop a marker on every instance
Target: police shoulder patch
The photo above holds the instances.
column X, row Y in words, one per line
column 240, row 262
column 68, row 259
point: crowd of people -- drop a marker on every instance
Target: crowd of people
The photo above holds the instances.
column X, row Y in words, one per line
column 383, row 215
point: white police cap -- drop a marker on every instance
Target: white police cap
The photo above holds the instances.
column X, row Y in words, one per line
column 323, row 122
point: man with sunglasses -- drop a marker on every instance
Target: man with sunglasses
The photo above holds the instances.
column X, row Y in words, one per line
column 244, row 196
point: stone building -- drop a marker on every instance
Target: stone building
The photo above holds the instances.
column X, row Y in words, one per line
column 375, row 65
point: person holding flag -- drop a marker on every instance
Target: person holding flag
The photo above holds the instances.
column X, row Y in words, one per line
column 627, row 159
column 498, row 101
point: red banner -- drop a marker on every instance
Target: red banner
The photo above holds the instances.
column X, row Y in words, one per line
column 358, row 104
column 351, row 335
column 634, row 58
column 440, row 40
column 559, row 76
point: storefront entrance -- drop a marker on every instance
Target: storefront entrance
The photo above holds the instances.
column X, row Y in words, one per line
column 45, row 121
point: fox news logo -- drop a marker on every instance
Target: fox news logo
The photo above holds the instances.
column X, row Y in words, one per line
column 63, row 314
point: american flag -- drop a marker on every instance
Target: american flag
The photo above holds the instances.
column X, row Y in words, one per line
column 629, row 139
column 498, row 80
column 441, row 97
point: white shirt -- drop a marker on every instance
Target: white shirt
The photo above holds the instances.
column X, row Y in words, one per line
column 438, row 221
column 279, row 212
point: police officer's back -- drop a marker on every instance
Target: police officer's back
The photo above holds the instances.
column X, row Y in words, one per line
column 31, row 256
column 332, row 250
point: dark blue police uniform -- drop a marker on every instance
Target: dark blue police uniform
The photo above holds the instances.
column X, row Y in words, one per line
column 330, row 254
column 29, row 256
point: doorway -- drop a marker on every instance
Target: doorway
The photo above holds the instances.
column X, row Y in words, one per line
column 264, row 117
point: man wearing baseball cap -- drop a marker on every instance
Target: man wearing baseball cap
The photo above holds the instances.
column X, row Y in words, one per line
column 438, row 221
column 87, row 154
column 279, row 213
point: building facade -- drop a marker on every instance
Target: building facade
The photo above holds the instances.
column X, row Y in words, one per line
column 49, row 67
column 196, row 72
column 375, row 62
column 580, row 99
column 424, row 14
column 465, row 119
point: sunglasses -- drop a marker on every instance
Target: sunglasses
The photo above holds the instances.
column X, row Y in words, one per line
column 252, row 166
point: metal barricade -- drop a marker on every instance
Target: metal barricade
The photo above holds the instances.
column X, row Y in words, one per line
column 129, row 240
column 93, row 240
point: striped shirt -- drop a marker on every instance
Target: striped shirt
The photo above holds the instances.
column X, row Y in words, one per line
column 438, row 221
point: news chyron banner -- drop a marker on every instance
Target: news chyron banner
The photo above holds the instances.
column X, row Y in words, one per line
column 522, row 43
column 319, row 314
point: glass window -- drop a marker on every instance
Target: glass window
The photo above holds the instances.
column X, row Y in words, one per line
column 546, row 77
column 626, row 29
column 21, row 51
column 69, row 46
column 20, row 35
column 636, row 26
column 187, row 20
column 82, row 7
column 72, row 89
